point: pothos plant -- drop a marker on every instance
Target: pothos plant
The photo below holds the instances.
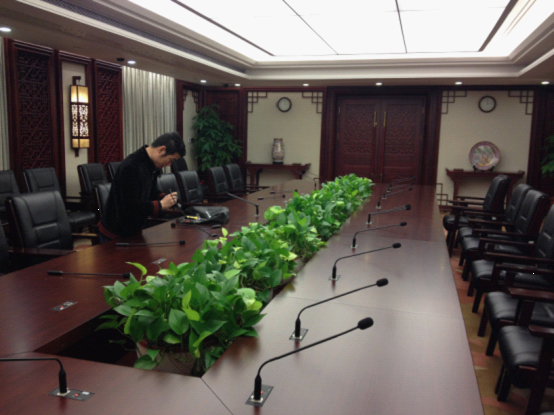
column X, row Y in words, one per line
column 214, row 144
column 547, row 167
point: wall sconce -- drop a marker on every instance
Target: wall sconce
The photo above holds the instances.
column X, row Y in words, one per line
column 79, row 116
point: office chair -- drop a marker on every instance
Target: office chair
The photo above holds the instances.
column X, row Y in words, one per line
column 102, row 191
column 8, row 187
column 45, row 179
column 112, row 169
column 236, row 182
column 4, row 253
column 90, row 175
column 179, row 165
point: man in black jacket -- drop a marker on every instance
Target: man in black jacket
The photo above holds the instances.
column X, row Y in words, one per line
column 134, row 195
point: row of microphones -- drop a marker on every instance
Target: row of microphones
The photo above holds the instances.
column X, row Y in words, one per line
column 256, row 398
column 354, row 246
column 396, row 209
column 57, row 272
column 300, row 333
column 335, row 277
column 244, row 200
column 406, row 179
column 399, row 191
column 181, row 242
column 61, row 391
column 400, row 185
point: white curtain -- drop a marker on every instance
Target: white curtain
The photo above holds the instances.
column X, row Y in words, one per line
column 4, row 139
column 149, row 107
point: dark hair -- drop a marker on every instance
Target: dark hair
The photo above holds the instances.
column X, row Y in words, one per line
column 173, row 143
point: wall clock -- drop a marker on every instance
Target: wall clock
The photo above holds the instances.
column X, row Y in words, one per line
column 284, row 104
column 487, row 103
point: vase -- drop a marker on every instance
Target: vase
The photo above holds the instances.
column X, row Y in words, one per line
column 278, row 151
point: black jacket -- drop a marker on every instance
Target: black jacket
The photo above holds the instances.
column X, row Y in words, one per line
column 133, row 196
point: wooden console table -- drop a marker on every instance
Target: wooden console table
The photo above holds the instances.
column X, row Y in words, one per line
column 459, row 176
column 255, row 169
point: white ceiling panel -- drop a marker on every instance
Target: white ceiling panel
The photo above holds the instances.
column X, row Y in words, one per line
column 411, row 5
column 343, row 7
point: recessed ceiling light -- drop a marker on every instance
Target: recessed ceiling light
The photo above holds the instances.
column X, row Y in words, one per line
column 545, row 82
column 203, row 81
column 237, row 84
column 378, row 83
column 306, row 84
column 458, row 83
column 5, row 29
column 131, row 62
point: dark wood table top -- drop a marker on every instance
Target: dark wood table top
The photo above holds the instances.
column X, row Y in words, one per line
column 117, row 390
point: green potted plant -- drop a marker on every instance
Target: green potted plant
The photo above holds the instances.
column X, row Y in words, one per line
column 547, row 165
column 214, row 144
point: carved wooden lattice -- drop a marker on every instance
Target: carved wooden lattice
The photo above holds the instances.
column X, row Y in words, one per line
column 449, row 97
column 317, row 99
column 357, row 134
column 525, row 97
column 196, row 97
column 35, row 110
column 108, row 133
column 253, row 98
column 401, row 132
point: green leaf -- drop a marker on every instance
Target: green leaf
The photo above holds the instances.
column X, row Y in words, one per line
column 191, row 314
column 124, row 310
column 178, row 321
column 186, row 300
column 170, row 338
column 144, row 362
column 140, row 267
column 255, row 319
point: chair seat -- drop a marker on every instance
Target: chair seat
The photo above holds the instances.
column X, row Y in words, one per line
column 448, row 222
column 79, row 220
column 482, row 270
column 472, row 243
column 501, row 306
column 518, row 348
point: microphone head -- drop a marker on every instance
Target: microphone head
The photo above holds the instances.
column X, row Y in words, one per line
column 365, row 323
column 382, row 282
column 408, row 207
column 216, row 226
column 182, row 242
column 409, row 189
column 128, row 275
column 403, row 223
column 396, row 245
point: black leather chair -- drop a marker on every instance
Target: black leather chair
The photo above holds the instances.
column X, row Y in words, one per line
column 493, row 202
column 4, row 253
column 218, row 181
column 167, row 183
column 190, row 188
column 179, row 165
column 45, row 179
column 112, row 168
column 490, row 274
column 102, row 191
column 89, row 176
column 39, row 220
column 236, row 181
column 8, row 187
column 525, row 227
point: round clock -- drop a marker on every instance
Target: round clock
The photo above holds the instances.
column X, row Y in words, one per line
column 487, row 103
column 284, row 104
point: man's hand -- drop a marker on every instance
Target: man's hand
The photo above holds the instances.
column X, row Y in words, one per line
column 168, row 200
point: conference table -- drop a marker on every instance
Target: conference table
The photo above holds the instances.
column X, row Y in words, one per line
column 415, row 359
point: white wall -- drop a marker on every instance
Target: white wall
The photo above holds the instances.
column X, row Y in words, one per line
column 507, row 126
column 189, row 112
column 300, row 129
column 70, row 70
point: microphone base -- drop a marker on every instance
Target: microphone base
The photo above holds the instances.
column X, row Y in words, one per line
column 74, row 394
column 302, row 335
column 266, row 390
column 368, row 223
column 334, row 279
column 354, row 246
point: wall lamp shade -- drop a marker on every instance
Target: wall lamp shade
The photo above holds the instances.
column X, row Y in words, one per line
column 79, row 118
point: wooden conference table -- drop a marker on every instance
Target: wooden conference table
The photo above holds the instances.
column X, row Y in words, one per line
column 414, row 360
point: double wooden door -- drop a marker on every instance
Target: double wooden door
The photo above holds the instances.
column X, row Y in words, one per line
column 380, row 138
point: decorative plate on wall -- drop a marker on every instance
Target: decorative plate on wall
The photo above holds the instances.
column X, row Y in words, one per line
column 484, row 155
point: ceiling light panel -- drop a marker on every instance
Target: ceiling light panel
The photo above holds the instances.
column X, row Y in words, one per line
column 412, row 5
column 215, row 9
column 341, row 8
column 371, row 33
column 439, row 31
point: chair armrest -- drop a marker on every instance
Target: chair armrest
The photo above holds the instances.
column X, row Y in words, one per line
column 94, row 237
column 517, row 259
column 468, row 197
column 510, row 234
column 531, row 295
column 39, row 252
column 458, row 203
column 489, row 222
column 544, row 332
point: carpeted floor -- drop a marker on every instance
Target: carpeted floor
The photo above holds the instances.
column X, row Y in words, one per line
column 487, row 368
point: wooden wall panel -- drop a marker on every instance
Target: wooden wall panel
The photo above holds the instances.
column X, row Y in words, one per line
column 34, row 130
column 108, row 113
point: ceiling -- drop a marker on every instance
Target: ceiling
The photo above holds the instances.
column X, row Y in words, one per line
column 236, row 42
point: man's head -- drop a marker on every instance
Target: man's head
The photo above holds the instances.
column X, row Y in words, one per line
column 166, row 148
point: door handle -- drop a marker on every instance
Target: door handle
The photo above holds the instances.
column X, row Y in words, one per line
column 385, row 120
column 374, row 119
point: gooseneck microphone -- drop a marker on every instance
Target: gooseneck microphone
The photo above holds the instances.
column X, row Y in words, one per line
column 300, row 333
column 354, row 246
column 181, row 242
column 62, row 378
column 406, row 179
column 400, row 185
column 56, row 272
column 244, row 200
column 393, row 193
column 335, row 277
column 396, row 209
column 213, row 235
column 256, row 398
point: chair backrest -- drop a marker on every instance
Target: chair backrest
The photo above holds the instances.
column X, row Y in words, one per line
column 112, row 168
column 544, row 247
column 234, row 178
column 515, row 203
column 218, row 180
column 8, row 187
column 532, row 212
column 189, row 184
column 39, row 220
column 102, row 191
column 494, row 200
column 167, row 183
column 41, row 179
column 179, row 165
column 4, row 253
column 90, row 175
